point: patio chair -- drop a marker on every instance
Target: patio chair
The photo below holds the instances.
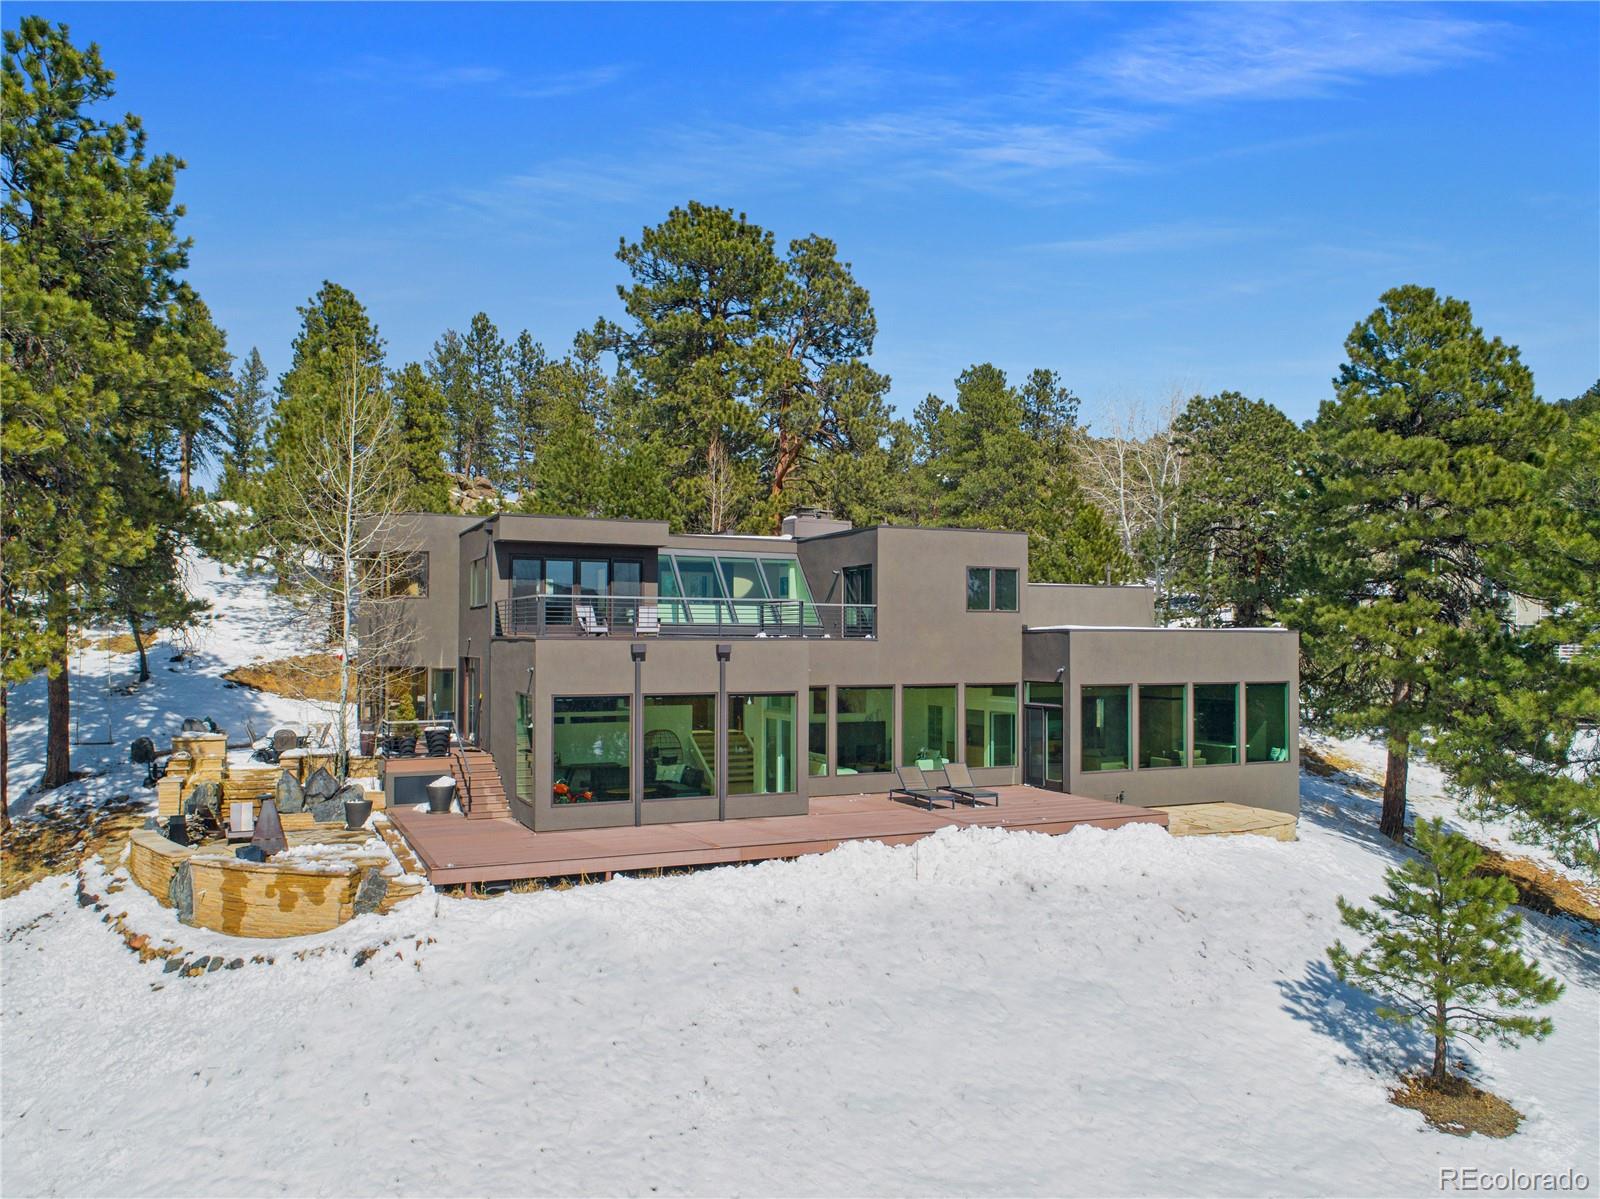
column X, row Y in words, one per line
column 915, row 788
column 284, row 740
column 317, row 734
column 648, row 623
column 590, row 623
column 958, row 783
column 241, row 820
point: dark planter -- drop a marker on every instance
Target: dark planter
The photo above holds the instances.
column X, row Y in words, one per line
column 437, row 741
column 369, row 740
column 440, row 794
column 356, row 812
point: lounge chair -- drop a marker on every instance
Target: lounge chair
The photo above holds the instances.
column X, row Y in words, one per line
column 915, row 788
column 648, row 622
column 958, row 783
column 590, row 623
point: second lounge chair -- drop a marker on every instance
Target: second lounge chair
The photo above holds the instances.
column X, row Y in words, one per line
column 958, row 783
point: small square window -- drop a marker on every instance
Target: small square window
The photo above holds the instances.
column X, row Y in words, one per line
column 978, row 593
column 1005, row 590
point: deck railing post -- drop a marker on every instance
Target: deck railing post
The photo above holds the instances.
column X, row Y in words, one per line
column 724, row 652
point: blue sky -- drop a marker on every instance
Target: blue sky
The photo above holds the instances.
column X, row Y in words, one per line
column 1144, row 198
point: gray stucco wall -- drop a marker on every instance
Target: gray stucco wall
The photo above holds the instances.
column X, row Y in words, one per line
column 1188, row 656
column 1074, row 603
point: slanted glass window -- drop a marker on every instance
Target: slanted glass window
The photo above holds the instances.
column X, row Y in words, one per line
column 1105, row 731
column 591, row 749
column 478, row 582
column 927, row 726
column 1044, row 693
column 1005, row 590
column 1161, row 725
column 1216, row 724
column 680, row 746
column 817, row 735
column 1266, row 722
column 761, row 744
column 863, row 730
column 525, row 747
column 992, row 725
column 978, row 594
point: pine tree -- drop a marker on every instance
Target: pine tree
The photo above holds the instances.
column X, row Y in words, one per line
column 1236, row 504
column 1444, row 950
column 422, row 429
column 1420, row 474
column 243, row 418
column 103, row 349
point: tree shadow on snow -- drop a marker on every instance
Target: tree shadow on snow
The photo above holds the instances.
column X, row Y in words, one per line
column 1350, row 1016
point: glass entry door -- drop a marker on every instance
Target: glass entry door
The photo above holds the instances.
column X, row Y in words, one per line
column 1042, row 748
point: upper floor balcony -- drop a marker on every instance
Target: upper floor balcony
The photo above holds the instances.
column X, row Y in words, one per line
column 644, row 616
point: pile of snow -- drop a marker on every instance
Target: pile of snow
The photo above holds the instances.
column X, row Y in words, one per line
column 984, row 1012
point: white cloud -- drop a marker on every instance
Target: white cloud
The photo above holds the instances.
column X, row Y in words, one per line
column 1255, row 50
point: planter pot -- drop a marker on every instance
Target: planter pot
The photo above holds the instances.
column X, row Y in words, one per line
column 356, row 812
column 441, row 793
column 369, row 739
column 437, row 741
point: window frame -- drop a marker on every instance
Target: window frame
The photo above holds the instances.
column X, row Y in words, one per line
column 555, row 701
column 478, row 572
column 890, row 731
column 794, row 742
column 716, row 739
column 1194, row 728
column 992, row 588
column 954, row 735
column 1016, row 723
column 1184, row 719
column 1244, row 725
column 827, row 731
column 1127, row 690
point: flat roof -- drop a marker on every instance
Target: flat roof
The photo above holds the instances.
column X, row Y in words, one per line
column 1146, row 628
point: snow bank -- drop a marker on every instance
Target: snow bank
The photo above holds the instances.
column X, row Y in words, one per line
column 984, row 1012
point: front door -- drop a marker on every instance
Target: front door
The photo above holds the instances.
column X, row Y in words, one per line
column 1042, row 748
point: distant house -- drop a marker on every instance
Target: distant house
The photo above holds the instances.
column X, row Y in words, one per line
column 618, row 672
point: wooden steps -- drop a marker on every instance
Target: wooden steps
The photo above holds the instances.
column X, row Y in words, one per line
column 478, row 781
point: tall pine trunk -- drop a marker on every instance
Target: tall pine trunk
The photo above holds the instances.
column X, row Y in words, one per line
column 138, row 643
column 185, row 449
column 1440, row 1064
column 5, row 759
column 1393, row 823
column 58, row 733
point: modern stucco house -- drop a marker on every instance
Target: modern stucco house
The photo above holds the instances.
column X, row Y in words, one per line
column 620, row 673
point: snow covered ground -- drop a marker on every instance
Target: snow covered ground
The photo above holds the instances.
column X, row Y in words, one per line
column 246, row 623
column 1108, row 1013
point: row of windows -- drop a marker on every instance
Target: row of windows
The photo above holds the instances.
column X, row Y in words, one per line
column 1108, row 720
column 930, row 734
column 991, row 589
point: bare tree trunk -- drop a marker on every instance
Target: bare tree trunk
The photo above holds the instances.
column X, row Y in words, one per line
column 1440, row 1064
column 58, row 734
column 185, row 449
column 1393, row 823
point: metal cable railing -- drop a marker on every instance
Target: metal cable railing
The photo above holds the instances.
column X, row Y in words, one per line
column 636, row 616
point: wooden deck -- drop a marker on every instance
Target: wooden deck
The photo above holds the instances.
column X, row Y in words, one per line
column 456, row 850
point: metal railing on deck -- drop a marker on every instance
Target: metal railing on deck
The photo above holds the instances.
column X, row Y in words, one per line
column 636, row 616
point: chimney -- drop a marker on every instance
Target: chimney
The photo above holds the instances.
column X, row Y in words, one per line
column 812, row 522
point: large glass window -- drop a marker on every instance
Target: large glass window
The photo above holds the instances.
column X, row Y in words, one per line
column 405, row 575
column 761, row 744
column 863, row 730
column 860, row 614
column 525, row 747
column 680, row 746
column 992, row 725
column 1161, row 725
column 1266, row 722
column 1104, row 721
column 1216, row 724
column 927, row 726
column 817, row 734
column 591, row 748
column 441, row 694
column 1005, row 590
column 978, row 597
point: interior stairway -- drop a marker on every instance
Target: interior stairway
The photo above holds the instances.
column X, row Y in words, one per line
column 478, row 782
column 741, row 757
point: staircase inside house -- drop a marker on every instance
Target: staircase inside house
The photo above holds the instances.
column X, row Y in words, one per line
column 478, row 784
column 741, row 757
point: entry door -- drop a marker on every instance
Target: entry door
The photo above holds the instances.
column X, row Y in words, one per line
column 1042, row 748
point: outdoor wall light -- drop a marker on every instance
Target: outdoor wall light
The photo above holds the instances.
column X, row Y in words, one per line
column 724, row 652
column 637, row 651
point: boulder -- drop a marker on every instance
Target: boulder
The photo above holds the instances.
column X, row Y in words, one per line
column 321, row 784
column 205, row 799
column 370, row 891
column 328, row 811
column 196, row 725
column 288, row 794
column 142, row 752
column 181, row 892
column 250, row 853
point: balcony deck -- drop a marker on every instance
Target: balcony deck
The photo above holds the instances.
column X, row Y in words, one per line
column 454, row 849
column 653, row 616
